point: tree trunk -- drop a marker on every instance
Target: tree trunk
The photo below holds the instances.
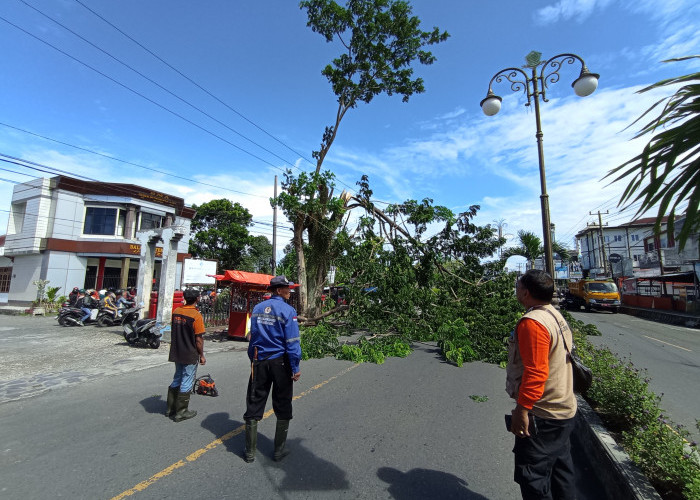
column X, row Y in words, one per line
column 301, row 268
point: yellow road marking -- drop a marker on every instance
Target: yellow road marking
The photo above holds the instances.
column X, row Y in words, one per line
column 663, row 342
column 198, row 454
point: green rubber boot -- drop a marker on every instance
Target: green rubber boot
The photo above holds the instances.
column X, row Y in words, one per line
column 251, row 440
column 172, row 397
column 280, row 440
column 181, row 404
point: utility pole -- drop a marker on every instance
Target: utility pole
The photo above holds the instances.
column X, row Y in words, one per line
column 602, row 239
column 500, row 224
column 274, row 234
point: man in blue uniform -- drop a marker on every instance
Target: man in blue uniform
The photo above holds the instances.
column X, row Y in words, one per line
column 274, row 353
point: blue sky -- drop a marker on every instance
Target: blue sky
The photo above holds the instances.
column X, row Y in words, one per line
column 263, row 62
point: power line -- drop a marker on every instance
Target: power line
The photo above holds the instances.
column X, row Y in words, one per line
column 156, row 83
column 193, row 82
column 143, row 96
column 47, row 170
column 322, row 223
column 265, row 223
column 131, row 163
column 166, row 90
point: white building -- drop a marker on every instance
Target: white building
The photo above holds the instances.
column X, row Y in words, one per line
column 633, row 249
column 85, row 234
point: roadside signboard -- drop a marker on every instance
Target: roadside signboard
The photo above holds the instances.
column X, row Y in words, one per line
column 615, row 258
column 195, row 271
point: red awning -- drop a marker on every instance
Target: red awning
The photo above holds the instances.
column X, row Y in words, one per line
column 246, row 278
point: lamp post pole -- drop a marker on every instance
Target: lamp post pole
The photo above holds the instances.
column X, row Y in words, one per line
column 535, row 87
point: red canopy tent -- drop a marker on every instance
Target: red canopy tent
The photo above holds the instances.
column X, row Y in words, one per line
column 247, row 289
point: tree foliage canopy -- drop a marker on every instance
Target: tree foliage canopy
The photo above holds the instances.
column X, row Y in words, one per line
column 258, row 255
column 667, row 171
column 380, row 41
column 401, row 282
column 530, row 246
column 220, row 231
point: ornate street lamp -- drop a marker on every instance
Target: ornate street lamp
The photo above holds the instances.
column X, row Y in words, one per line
column 535, row 87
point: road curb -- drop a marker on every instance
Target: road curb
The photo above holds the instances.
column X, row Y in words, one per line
column 663, row 316
column 620, row 477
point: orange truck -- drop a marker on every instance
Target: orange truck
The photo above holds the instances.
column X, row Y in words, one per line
column 599, row 294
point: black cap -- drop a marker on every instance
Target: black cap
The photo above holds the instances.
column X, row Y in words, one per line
column 280, row 281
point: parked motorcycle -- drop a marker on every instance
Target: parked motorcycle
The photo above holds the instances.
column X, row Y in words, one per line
column 142, row 332
column 70, row 316
column 106, row 318
column 131, row 314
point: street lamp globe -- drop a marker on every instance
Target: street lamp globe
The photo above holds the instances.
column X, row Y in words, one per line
column 491, row 104
column 585, row 84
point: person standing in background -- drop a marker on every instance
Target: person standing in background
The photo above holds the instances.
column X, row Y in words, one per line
column 275, row 352
column 186, row 351
column 540, row 379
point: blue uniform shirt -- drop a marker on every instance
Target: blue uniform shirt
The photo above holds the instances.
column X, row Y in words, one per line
column 274, row 331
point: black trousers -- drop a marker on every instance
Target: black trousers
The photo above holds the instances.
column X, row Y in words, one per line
column 543, row 465
column 270, row 373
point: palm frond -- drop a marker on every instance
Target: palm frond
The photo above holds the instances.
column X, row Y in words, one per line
column 667, row 171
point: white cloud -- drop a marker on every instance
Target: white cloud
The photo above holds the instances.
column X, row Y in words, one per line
column 252, row 191
column 583, row 140
column 564, row 10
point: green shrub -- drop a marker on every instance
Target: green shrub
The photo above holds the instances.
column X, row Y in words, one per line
column 318, row 342
column 455, row 342
column 620, row 394
column 375, row 350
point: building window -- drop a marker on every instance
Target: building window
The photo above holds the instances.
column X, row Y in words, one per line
column 607, row 239
column 634, row 237
column 5, row 277
column 150, row 221
column 618, row 237
column 121, row 223
column 100, row 220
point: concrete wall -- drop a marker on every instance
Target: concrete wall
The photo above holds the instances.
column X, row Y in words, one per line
column 66, row 270
column 69, row 212
column 25, row 270
column 35, row 200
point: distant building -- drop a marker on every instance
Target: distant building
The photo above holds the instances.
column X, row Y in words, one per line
column 633, row 249
column 90, row 235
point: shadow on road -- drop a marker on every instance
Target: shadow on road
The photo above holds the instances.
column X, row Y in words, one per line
column 307, row 472
column 154, row 404
column 425, row 483
column 303, row 470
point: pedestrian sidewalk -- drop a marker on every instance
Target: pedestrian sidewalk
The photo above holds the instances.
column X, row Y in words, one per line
column 664, row 316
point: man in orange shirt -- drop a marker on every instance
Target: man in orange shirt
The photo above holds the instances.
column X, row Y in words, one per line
column 539, row 378
column 186, row 350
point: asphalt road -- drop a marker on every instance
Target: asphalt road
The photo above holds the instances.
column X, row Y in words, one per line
column 669, row 353
column 406, row 429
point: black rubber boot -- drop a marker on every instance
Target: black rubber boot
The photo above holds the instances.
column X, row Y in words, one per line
column 251, row 440
column 181, row 404
column 281, row 439
column 172, row 397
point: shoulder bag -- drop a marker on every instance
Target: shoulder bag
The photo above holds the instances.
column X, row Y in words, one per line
column 583, row 376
